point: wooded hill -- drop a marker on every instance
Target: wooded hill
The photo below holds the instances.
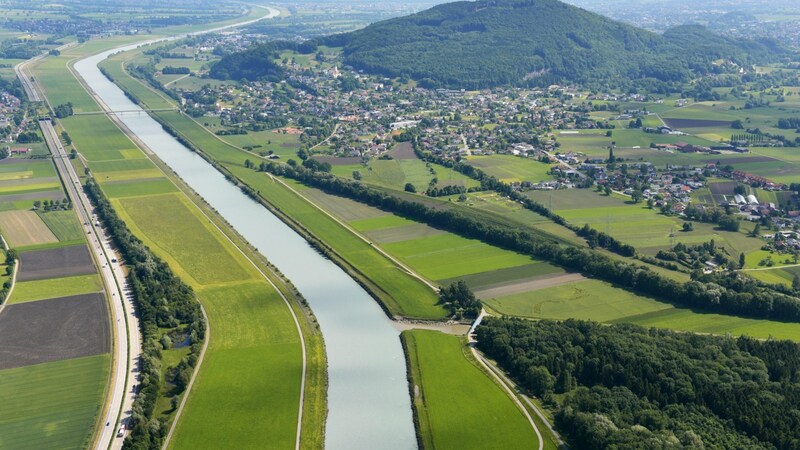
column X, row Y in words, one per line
column 537, row 42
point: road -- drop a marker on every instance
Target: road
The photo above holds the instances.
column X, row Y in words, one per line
column 125, row 324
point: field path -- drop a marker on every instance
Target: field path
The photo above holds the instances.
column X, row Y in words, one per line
column 502, row 380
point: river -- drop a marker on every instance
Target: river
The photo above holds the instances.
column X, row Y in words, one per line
column 369, row 406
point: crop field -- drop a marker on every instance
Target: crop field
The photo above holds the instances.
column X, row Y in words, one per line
column 52, row 405
column 512, row 168
column 777, row 275
column 52, row 330
column 23, row 228
column 249, row 387
column 16, row 169
column 501, row 277
column 97, row 138
column 55, row 263
column 167, row 222
column 467, row 411
column 123, row 189
column 447, row 256
column 28, row 291
column 600, row 301
column 63, row 224
column 342, row 207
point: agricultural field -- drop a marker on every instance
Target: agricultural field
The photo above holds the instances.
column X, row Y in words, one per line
column 168, row 222
column 600, row 301
column 244, row 357
column 24, row 228
column 55, row 263
column 52, row 405
column 63, row 224
column 28, row 291
column 468, row 411
column 636, row 224
column 512, row 168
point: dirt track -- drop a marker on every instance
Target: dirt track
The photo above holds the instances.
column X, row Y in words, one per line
column 52, row 330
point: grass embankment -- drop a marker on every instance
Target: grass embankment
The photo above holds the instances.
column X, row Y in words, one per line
column 244, row 312
column 456, row 404
column 52, row 405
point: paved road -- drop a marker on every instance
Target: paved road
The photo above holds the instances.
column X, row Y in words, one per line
column 127, row 339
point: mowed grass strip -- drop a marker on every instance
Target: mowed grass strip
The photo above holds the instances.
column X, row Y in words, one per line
column 28, row 291
column 23, row 228
column 459, row 406
column 52, row 405
column 63, row 224
column 248, row 391
column 447, row 256
column 167, row 222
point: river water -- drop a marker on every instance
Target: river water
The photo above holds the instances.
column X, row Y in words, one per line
column 369, row 406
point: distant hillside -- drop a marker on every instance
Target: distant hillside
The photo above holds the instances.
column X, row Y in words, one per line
column 498, row 42
column 255, row 63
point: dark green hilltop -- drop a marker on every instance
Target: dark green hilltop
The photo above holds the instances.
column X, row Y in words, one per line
column 539, row 42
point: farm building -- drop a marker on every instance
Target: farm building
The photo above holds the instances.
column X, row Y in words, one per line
column 20, row 151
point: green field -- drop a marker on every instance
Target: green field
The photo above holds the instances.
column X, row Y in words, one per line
column 447, row 256
column 396, row 173
column 249, row 387
column 596, row 300
column 52, row 405
column 64, row 224
column 512, row 168
column 139, row 188
column 27, row 291
column 33, row 169
column 459, row 406
column 168, row 222
column 646, row 229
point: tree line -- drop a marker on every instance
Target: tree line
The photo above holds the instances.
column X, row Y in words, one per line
column 741, row 298
column 629, row 387
column 163, row 302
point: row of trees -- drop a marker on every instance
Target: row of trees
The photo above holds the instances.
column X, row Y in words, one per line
column 163, row 301
column 628, row 387
column 744, row 299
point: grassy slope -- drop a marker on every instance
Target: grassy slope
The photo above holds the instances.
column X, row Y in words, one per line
column 467, row 411
column 51, row 405
column 100, row 141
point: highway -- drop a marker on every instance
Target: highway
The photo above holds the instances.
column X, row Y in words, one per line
column 127, row 339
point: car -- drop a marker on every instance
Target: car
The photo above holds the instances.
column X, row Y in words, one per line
column 121, row 431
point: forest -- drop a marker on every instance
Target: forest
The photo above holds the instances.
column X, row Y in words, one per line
column 623, row 386
column 482, row 44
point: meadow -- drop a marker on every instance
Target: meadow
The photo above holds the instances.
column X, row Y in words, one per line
column 245, row 357
column 600, row 301
column 510, row 169
column 646, row 229
column 167, row 222
column 468, row 411
column 52, row 405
